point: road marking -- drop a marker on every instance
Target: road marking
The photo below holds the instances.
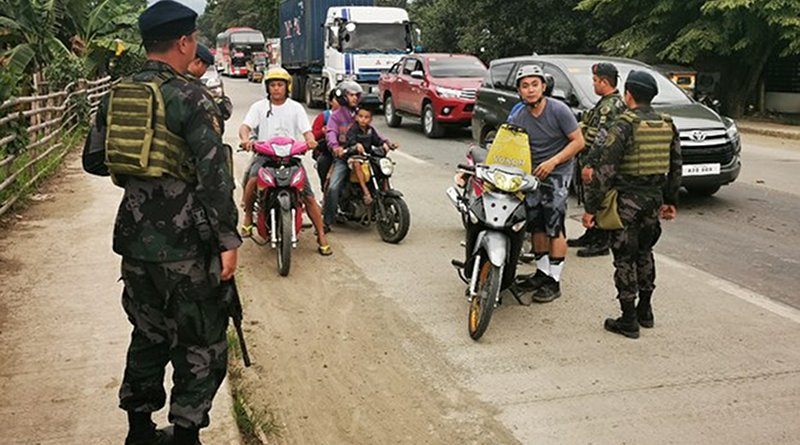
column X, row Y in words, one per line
column 740, row 292
column 410, row 158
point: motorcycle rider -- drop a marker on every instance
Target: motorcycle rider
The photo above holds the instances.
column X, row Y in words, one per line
column 322, row 154
column 365, row 138
column 349, row 96
column 278, row 115
column 555, row 139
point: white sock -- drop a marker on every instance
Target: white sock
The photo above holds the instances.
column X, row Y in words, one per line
column 556, row 266
column 543, row 264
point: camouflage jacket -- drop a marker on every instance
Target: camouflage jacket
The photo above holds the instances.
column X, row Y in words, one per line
column 154, row 221
column 617, row 144
column 596, row 123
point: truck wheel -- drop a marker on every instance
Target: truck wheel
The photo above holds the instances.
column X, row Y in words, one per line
column 309, row 95
column 430, row 127
column 298, row 82
column 703, row 190
column 392, row 118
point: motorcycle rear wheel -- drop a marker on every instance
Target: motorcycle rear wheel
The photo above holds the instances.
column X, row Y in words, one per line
column 393, row 225
column 482, row 305
column 285, row 243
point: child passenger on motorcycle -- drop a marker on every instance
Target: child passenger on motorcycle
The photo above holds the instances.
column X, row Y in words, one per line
column 364, row 138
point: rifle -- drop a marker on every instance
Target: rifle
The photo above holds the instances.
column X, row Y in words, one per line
column 228, row 290
column 230, row 295
column 578, row 180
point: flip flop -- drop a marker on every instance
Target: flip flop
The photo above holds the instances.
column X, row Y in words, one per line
column 246, row 231
column 325, row 250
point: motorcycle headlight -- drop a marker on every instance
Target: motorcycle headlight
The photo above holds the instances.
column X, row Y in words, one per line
column 448, row 93
column 507, row 183
column 387, row 166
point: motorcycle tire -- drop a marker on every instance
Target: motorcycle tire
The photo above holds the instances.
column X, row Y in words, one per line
column 482, row 305
column 395, row 221
column 285, row 243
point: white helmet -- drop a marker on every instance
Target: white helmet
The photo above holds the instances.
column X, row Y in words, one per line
column 529, row 71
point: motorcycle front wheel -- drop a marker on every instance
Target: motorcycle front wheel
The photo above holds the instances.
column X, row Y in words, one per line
column 482, row 305
column 285, row 243
column 395, row 221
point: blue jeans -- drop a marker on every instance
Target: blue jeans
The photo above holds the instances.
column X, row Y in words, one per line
column 338, row 178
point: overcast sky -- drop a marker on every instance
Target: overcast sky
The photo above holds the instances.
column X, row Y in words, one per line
column 197, row 5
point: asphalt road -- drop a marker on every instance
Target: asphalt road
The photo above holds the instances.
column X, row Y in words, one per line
column 384, row 326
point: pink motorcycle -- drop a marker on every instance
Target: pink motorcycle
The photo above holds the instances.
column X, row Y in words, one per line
column 278, row 209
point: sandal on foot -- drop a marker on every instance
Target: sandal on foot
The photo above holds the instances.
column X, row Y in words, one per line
column 325, row 250
column 246, row 231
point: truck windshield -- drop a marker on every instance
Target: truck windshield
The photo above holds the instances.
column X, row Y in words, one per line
column 383, row 37
column 668, row 92
column 456, row 67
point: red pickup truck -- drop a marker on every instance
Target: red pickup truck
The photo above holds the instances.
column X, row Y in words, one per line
column 439, row 88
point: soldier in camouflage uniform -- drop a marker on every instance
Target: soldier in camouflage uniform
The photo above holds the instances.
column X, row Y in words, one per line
column 641, row 159
column 175, row 230
column 197, row 69
column 595, row 125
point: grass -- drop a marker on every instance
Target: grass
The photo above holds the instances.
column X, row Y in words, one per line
column 254, row 425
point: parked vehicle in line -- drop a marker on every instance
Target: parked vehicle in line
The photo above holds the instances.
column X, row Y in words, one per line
column 326, row 41
column 438, row 88
column 212, row 80
column 278, row 209
column 388, row 211
column 256, row 68
column 235, row 47
column 710, row 143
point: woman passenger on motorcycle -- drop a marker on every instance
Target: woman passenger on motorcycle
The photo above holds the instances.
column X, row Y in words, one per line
column 364, row 138
column 321, row 154
column 278, row 115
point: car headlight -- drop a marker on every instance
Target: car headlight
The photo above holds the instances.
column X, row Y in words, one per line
column 387, row 166
column 448, row 93
column 732, row 131
column 507, row 183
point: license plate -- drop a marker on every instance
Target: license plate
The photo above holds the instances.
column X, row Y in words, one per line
column 701, row 169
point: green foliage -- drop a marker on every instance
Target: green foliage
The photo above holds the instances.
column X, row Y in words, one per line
column 494, row 29
column 220, row 15
column 63, row 70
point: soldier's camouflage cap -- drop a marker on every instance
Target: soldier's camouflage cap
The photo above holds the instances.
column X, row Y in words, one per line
column 606, row 70
column 204, row 54
column 166, row 20
column 642, row 79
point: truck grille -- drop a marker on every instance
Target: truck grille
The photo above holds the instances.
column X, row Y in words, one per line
column 706, row 147
column 469, row 93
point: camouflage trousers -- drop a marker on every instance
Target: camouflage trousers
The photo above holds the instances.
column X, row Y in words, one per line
column 632, row 246
column 177, row 317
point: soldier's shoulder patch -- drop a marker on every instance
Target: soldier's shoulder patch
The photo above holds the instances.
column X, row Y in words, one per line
column 215, row 123
column 605, row 109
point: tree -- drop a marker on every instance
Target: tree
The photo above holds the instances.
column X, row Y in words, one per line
column 220, row 15
column 733, row 37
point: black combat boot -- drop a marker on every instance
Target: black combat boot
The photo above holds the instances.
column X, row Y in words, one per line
column 627, row 324
column 644, row 310
column 186, row 436
column 592, row 250
column 142, row 431
column 581, row 241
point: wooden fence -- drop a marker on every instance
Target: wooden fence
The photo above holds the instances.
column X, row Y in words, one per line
column 33, row 131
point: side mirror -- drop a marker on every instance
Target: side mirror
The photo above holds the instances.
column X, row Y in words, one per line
column 418, row 75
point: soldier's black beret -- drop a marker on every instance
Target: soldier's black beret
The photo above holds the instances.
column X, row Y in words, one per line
column 642, row 79
column 166, row 20
column 204, row 54
column 604, row 69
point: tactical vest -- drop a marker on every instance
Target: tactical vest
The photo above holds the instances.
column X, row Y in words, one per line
column 652, row 140
column 138, row 142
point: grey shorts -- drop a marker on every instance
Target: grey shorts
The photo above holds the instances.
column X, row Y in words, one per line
column 255, row 165
column 547, row 206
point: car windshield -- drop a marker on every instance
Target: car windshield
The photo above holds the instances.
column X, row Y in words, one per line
column 388, row 37
column 668, row 92
column 456, row 67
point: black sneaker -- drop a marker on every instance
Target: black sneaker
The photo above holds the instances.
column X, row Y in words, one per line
column 593, row 250
column 532, row 281
column 548, row 292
